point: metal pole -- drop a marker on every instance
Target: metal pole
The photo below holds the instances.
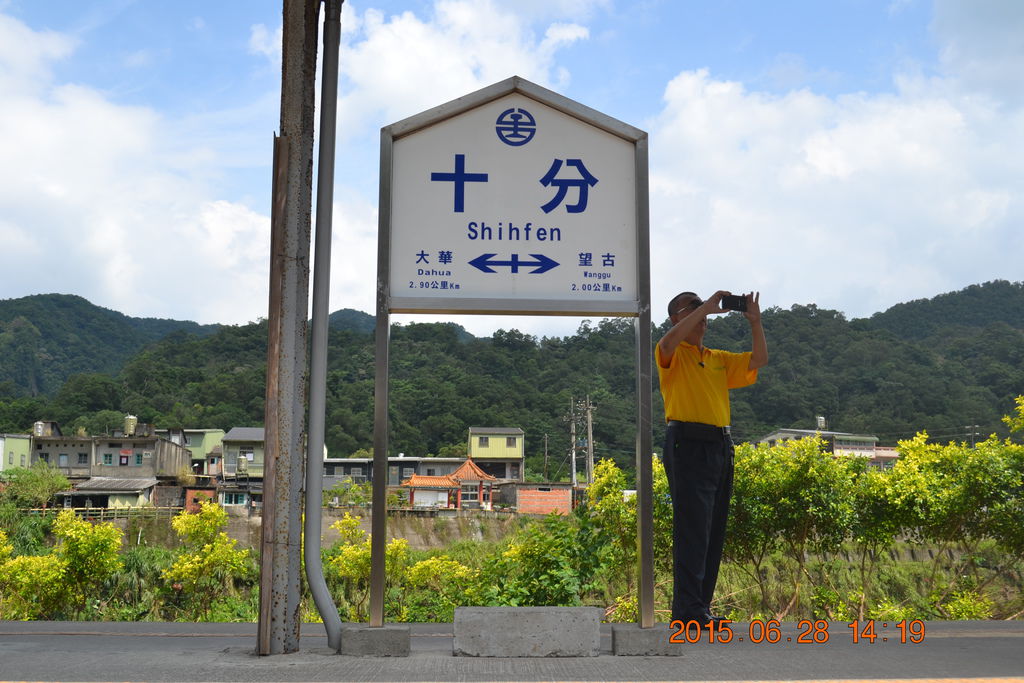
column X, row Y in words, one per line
column 280, row 571
column 321, row 313
column 644, row 368
column 378, row 522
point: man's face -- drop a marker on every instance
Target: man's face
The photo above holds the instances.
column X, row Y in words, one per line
column 685, row 307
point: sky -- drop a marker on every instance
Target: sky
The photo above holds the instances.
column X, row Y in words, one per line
column 851, row 154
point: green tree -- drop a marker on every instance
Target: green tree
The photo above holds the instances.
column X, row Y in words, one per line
column 878, row 520
column 1016, row 421
column 208, row 565
column 961, row 495
column 33, row 587
column 33, row 487
column 439, row 585
column 814, row 507
column 90, row 555
column 348, row 561
column 753, row 533
column 544, row 563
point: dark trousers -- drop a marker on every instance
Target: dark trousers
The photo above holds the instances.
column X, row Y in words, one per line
column 700, row 472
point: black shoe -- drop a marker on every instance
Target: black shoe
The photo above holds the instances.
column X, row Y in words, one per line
column 702, row 618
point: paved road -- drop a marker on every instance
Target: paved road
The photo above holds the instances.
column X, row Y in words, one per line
column 91, row 651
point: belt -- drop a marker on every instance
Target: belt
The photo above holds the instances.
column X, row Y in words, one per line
column 701, row 431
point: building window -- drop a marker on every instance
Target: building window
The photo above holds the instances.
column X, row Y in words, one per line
column 45, row 457
column 108, row 458
column 83, row 458
column 122, row 460
column 138, row 458
column 234, row 499
column 188, row 439
column 469, row 494
column 328, row 470
column 408, row 472
column 484, row 442
column 62, row 460
column 430, row 472
column 510, row 442
column 246, row 452
column 356, row 472
column 10, row 458
column 22, row 459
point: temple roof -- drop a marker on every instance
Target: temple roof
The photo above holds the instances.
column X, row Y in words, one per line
column 423, row 481
column 469, row 471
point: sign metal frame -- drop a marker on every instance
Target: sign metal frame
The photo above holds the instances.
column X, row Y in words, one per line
column 638, row 308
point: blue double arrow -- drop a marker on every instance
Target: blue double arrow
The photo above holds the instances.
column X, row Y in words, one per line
column 542, row 265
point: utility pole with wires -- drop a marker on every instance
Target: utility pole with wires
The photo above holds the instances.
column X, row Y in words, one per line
column 572, row 438
column 578, row 412
column 590, row 441
column 545, row 457
column 973, row 433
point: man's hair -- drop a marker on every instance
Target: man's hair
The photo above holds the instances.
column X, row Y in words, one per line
column 672, row 304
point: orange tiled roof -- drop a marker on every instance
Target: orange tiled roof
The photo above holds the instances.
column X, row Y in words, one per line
column 423, row 481
column 468, row 471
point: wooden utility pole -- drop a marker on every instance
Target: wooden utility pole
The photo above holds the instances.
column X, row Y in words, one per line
column 545, row 457
column 590, row 442
column 280, row 546
column 572, row 437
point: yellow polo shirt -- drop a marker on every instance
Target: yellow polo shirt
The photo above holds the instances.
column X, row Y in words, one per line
column 696, row 393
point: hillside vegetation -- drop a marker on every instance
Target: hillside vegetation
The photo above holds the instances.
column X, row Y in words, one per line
column 938, row 365
column 47, row 338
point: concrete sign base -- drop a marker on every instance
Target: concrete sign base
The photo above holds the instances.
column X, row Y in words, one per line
column 630, row 639
column 390, row 640
column 527, row 631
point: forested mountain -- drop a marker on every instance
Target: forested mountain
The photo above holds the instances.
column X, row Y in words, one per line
column 349, row 319
column 47, row 338
column 938, row 365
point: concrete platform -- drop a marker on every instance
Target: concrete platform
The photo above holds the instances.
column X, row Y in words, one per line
column 527, row 631
column 978, row 651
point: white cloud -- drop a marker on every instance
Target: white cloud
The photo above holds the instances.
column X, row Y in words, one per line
column 855, row 202
column 104, row 200
column 983, row 45
column 26, row 55
column 139, row 59
column 395, row 66
column 264, row 42
column 852, row 202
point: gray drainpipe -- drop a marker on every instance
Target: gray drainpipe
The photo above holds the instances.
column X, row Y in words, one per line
column 321, row 311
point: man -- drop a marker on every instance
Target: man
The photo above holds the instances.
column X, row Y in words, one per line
column 695, row 383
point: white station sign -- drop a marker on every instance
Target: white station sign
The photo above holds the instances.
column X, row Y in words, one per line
column 513, row 206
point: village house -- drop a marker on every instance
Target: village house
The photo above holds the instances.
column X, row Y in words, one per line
column 498, row 451
column 242, row 472
column 15, row 450
column 125, row 469
column 840, row 443
column 203, row 444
